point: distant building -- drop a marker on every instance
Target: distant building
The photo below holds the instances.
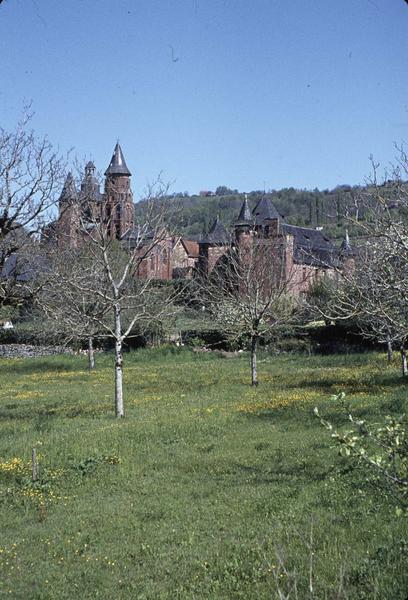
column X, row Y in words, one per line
column 309, row 253
column 80, row 210
column 114, row 206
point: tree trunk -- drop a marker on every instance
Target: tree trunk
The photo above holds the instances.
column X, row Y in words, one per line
column 91, row 355
column 119, row 409
column 404, row 361
column 254, row 373
column 389, row 349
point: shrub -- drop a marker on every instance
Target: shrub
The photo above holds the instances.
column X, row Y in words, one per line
column 382, row 447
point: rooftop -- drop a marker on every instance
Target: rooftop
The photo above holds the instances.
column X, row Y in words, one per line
column 117, row 165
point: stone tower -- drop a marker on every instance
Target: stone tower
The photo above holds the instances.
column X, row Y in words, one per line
column 213, row 246
column 69, row 215
column 118, row 211
column 90, row 197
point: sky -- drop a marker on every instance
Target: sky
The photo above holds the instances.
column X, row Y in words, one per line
column 252, row 94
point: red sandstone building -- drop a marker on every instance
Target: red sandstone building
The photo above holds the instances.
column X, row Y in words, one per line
column 309, row 253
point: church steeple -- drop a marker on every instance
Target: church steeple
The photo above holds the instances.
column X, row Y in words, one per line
column 118, row 207
column 117, row 165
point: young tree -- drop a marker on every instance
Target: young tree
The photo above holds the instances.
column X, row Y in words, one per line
column 102, row 285
column 372, row 282
column 250, row 295
column 30, row 176
column 76, row 317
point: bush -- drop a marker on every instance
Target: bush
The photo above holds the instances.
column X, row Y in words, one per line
column 382, row 448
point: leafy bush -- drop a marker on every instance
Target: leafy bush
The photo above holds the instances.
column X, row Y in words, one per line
column 382, row 447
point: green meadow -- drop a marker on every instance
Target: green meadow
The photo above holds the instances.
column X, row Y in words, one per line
column 208, row 489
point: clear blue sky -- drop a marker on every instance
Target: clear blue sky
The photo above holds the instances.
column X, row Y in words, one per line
column 244, row 93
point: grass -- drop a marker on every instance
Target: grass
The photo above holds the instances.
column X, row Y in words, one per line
column 208, row 489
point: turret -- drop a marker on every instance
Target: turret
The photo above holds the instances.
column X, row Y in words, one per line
column 90, row 192
column 267, row 217
column 213, row 246
column 117, row 165
column 118, row 209
column 244, row 225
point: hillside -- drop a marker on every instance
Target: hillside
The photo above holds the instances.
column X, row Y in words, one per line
column 328, row 208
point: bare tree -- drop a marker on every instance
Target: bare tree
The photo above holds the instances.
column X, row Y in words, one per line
column 30, row 177
column 76, row 316
column 103, row 286
column 372, row 283
column 250, row 294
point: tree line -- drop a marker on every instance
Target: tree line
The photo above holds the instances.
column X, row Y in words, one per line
column 330, row 209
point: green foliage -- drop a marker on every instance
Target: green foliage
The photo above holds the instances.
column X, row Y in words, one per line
column 308, row 208
column 8, row 312
column 382, row 447
column 320, row 296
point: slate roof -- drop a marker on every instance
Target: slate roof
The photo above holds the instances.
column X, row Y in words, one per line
column 312, row 246
column 22, row 268
column 245, row 213
column 265, row 209
column 137, row 237
column 117, row 165
column 69, row 192
column 217, row 234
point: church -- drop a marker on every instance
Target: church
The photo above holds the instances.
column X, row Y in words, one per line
column 114, row 206
column 309, row 253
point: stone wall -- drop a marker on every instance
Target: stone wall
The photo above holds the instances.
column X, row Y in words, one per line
column 27, row 351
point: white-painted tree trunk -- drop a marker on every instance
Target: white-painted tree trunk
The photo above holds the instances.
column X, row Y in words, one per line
column 254, row 373
column 91, row 354
column 119, row 408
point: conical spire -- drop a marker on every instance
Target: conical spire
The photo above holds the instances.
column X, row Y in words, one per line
column 117, row 165
column 217, row 234
column 69, row 192
column 265, row 210
column 245, row 213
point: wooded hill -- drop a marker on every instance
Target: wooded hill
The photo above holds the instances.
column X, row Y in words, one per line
column 331, row 209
